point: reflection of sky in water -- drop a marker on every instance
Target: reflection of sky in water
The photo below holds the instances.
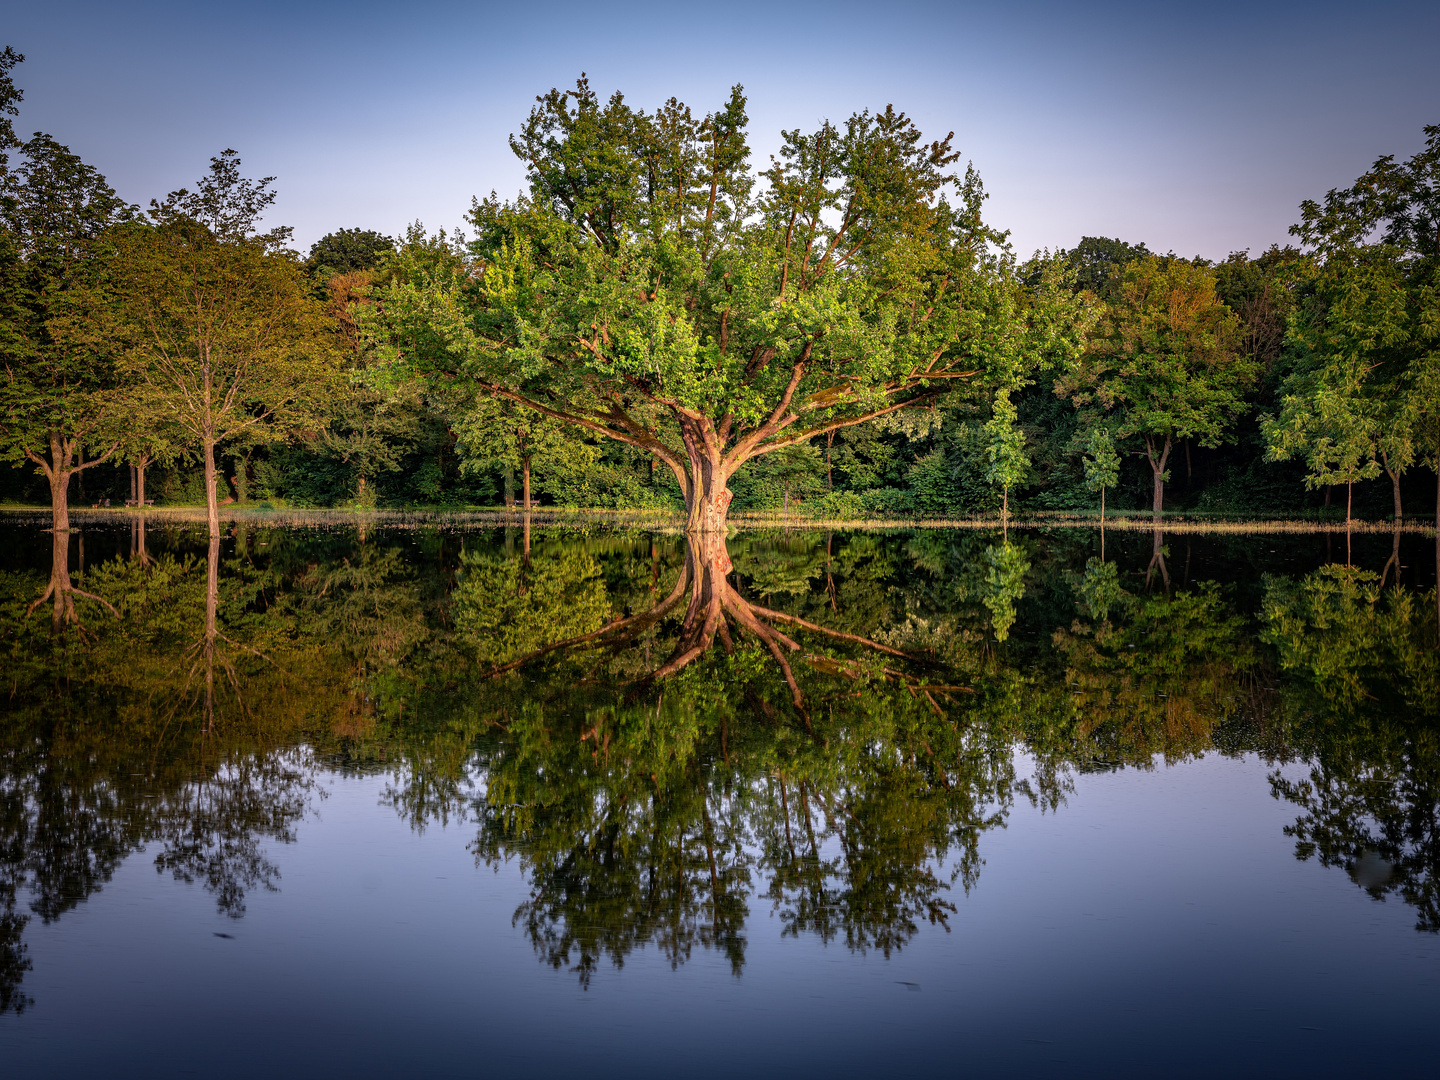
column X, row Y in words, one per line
column 1158, row 923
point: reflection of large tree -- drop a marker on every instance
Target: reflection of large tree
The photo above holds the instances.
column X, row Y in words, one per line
column 644, row 766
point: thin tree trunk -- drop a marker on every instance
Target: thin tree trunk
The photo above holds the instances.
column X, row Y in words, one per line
column 1348, row 488
column 140, row 483
column 525, row 475
column 1187, row 463
column 212, row 599
column 212, row 508
column 1158, row 469
column 1102, row 508
column 1395, row 491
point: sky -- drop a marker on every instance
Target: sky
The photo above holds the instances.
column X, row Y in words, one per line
column 1196, row 128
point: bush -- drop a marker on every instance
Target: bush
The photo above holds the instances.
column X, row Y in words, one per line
column 888, row 502
column 835, row 505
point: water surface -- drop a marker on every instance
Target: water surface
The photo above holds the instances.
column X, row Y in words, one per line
column 520, row 802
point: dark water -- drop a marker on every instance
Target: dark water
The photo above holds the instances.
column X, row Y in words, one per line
column 434, row 802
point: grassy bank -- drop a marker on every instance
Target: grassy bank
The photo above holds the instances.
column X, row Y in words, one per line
column 1134, row 521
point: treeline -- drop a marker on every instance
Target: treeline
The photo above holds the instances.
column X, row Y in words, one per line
column 655, row 323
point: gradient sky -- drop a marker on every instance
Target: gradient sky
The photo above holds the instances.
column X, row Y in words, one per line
column 1192, row 127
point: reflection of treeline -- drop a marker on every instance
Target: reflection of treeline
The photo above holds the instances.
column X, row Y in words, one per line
column 661, row 812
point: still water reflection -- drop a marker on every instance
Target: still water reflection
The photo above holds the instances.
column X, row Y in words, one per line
column 692, row 753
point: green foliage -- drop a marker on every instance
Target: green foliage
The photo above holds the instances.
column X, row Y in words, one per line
column 1102, row 464
column 1005, row 447
column 1097, row 262
column 1164, row 364
column 347, row 251
column 1004, row 585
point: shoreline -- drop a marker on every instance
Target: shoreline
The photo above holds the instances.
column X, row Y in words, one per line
column 672, row 521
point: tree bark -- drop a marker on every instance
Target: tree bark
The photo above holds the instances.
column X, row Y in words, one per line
column 1395, row 492
column 140, row 482
column 707, row 499
column 525, row 481
column 212, row 508
column 1102, row 507
column 1158, row 469
column 1348, row 488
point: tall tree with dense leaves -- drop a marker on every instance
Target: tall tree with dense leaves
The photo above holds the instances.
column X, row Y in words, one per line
column 640, row 291
column 1102, row 464
column 217, row 326
column 1164, row 364
column 1366, row 338
column 59, row 393
column 347, row 251
column 1005, row 450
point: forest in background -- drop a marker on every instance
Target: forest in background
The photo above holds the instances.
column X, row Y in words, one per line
column 519, row 363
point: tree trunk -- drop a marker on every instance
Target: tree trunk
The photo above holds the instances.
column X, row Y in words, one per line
column 509, row 488
column 60, row 500
column 1348, row 488
column 525, row 481
column 133, row 501
column 212, row 597
column 1102, row 507
column 1158, row 468
column 212, row 508
column 140, row 484
column 1395, row 491
column 707, row 499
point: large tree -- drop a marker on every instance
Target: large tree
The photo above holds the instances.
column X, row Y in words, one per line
column 59, row 394
column 1164, row 364
column 641, row 290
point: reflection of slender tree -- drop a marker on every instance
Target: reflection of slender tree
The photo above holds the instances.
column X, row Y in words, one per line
column 1345, row 640
column 1157, row 561
column 1151, row 674
column 1370, row 804
column 100, row 755
column 1364, row 688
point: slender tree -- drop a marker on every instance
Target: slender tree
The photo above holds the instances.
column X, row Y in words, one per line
column 1164, row 363
column 59, row 394
column 215, row 323
column 1102, row 463
column 1005, row 450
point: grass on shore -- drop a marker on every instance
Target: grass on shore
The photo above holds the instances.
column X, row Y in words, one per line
column 669, row 520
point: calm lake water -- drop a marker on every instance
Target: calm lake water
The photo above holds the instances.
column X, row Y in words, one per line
column 431, row 800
